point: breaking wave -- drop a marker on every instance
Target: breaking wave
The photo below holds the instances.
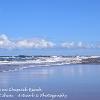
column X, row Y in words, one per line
column 14, row 63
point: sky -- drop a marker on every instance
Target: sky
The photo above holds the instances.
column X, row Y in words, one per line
column 49, row 27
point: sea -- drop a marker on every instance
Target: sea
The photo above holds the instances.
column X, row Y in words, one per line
column 53, row 82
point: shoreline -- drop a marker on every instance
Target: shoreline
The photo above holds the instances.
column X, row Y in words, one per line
column 19, row 63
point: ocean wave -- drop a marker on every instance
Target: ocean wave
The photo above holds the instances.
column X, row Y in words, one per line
column 22, row 62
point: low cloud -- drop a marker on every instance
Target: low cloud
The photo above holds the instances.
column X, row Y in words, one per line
column 68, row 45
column 34, row 43
column 77, row 45
column 5, row 42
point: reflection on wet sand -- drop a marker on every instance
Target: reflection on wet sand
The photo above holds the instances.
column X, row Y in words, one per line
column 67, row 78
column 7, row 78
column 80, row 69
column 39, row 74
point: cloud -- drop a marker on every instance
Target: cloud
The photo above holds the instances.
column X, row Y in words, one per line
column 67, row 44
column 5, row 42
column 76, row 45
column 34, row 43
column 83, row 45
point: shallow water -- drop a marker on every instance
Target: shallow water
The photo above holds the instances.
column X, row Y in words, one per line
column 75, row 82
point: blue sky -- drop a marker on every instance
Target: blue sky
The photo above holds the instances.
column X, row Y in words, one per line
column 56, row 21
